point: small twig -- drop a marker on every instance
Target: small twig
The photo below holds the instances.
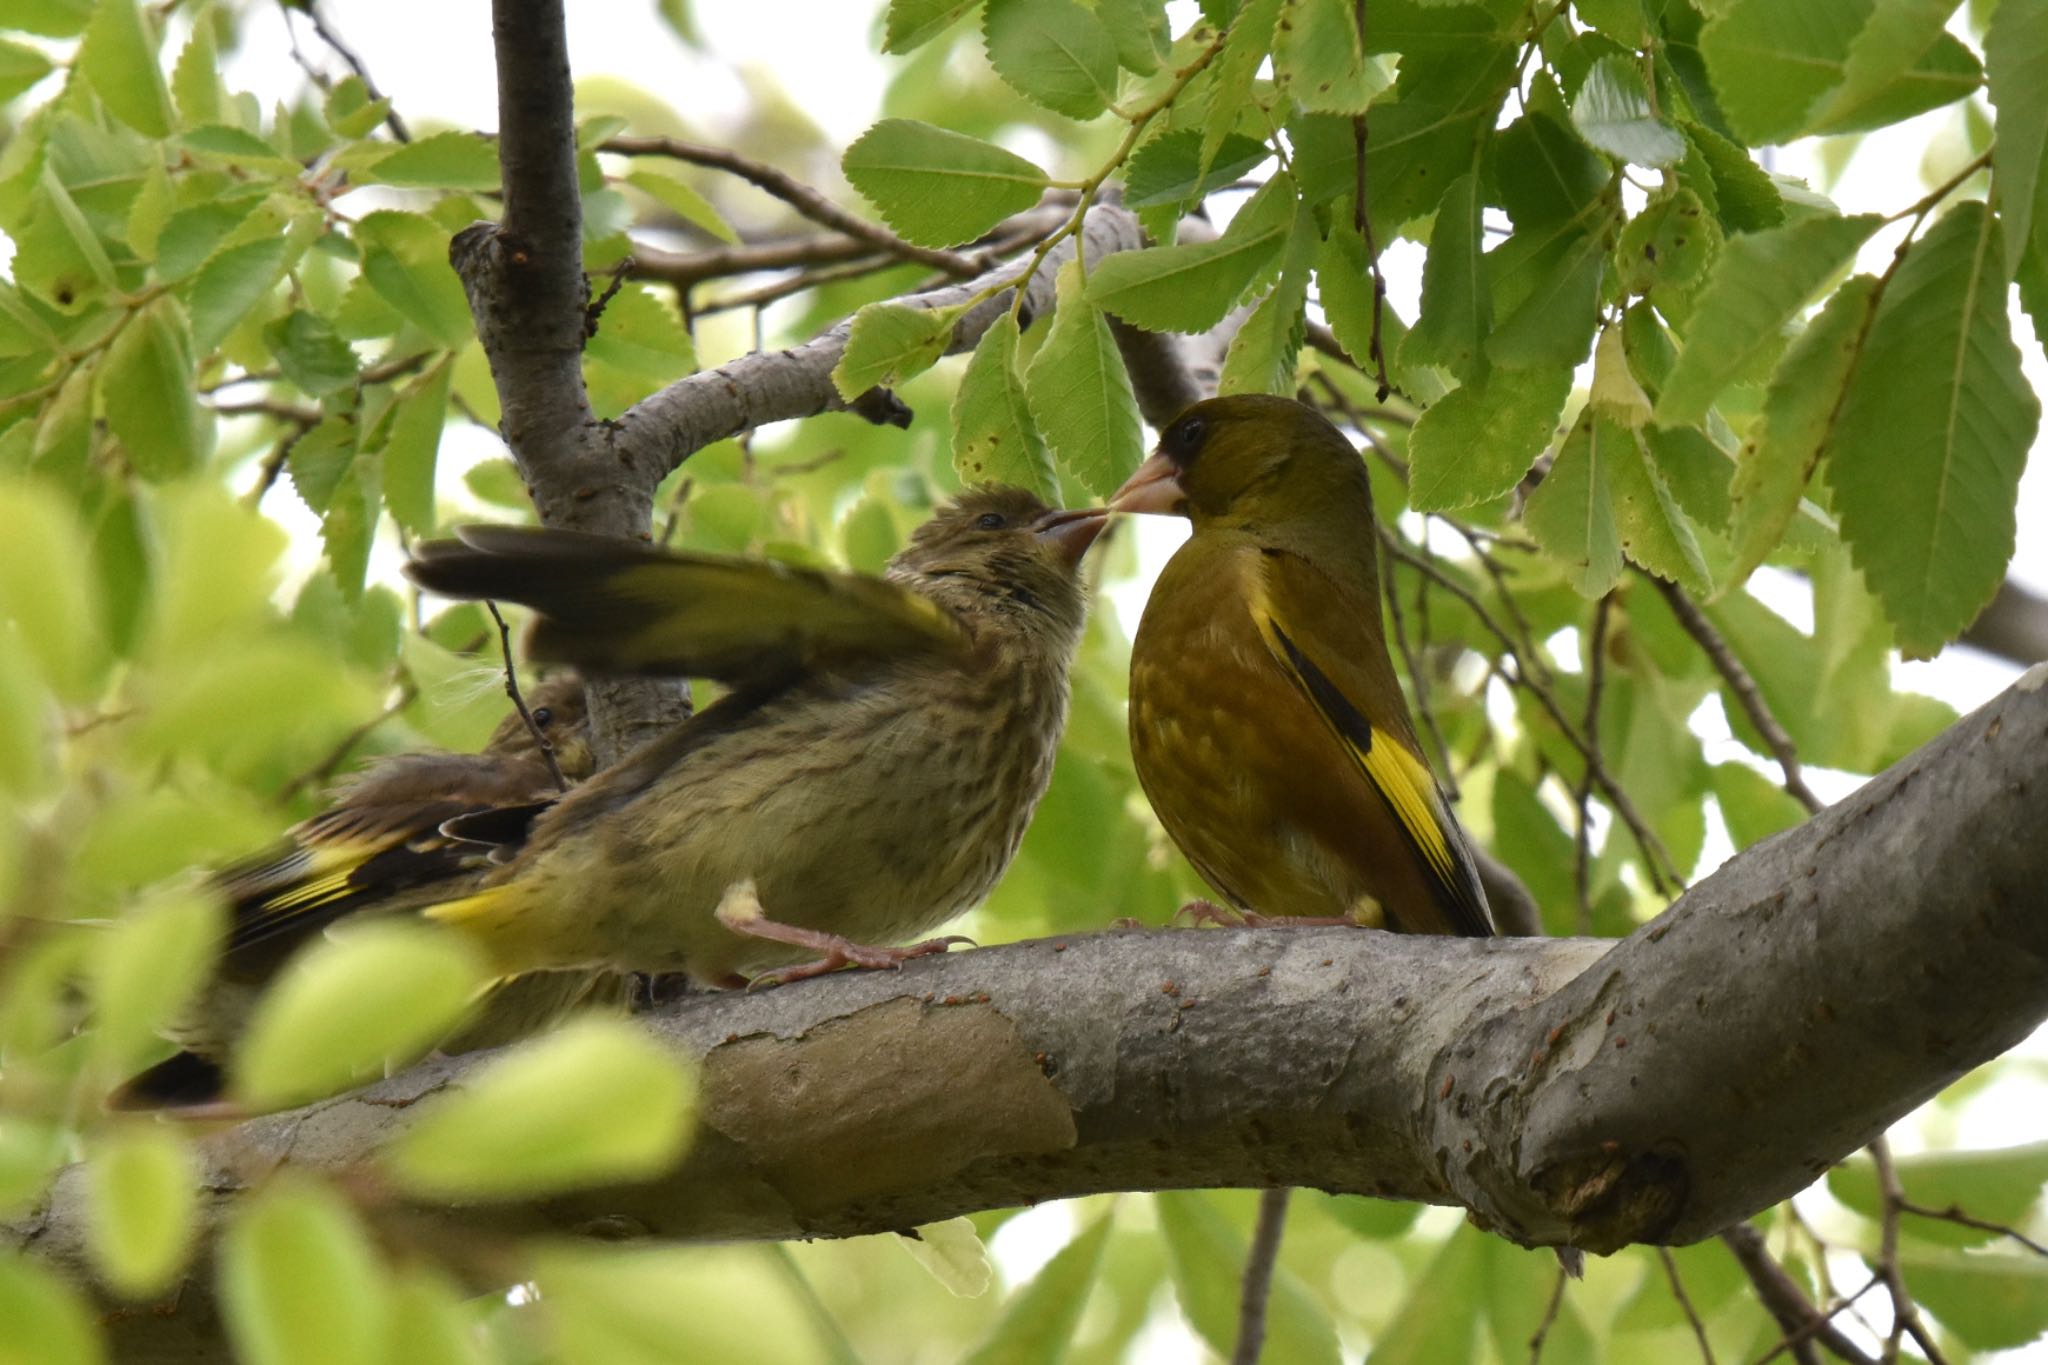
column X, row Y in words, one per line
column 1785, row 1301
column 685, row 268
column 547, row 750
column 1743, row 685
column 802, row 198
column 781, row 289
column 595, row 309
column 1692, row 1314
column 1954, row 1214
column 269, row 407
column 1258, row 1277
column 1905, row 1313
column 311, row 9
column 1549, row 1320
column 1822, row 1328
column 273, row 465
column 1582, row 838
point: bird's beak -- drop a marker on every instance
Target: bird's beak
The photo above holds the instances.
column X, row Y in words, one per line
column 1155, row 487
column 1071, row 533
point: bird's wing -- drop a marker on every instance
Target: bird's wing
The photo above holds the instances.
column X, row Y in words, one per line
column 1320, row 639
column 608, row 605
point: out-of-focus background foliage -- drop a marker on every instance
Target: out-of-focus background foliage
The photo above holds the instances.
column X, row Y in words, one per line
column 237, row 377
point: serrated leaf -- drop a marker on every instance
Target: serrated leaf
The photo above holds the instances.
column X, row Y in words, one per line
column 320, row 459
column 1245, row 47
column 1052, row 52
column 1140, row 31
column 683, row 201
column 1571, row 513
column 1612, row 111
column 595, row 1102
column 347, row 1009
column 230, row 286
column 1771, row 62
column 351, row 524
column 1762, row 281
column 889, row 343
column 1933, row 433
column 641, row 345
column 1476, row 442
column 445, row 161
column 20, row 67
column 237, row 147
column 1744, row 197
column 1947, row 71
column 350, row 110
column 146, row 389
column 939, row 188
column 1317, row 60
column 1168, row 169
column 118, row 55
column 301, row 1281
column 195, row 80
column 414, row 444
column 2016, row 64
column 141, row 1202
column 1189, row 288
column 48, row 1321
column 310, row 353
column 1554, row 324
column 1207, row 1256
column 405, row 259
column 147, row 968
column 1668, row 248
column 1652, row 530
column 1262, row 356
column 1079, row 392
column 995, row 439
column 1897, row 34
column 1037, row 1324
column 1457, row 303
column 1785, row 445
column 913, row 23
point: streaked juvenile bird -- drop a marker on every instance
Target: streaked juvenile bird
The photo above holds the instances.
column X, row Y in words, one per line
column 867, row 776
column 377, row 848
column 1267, row 724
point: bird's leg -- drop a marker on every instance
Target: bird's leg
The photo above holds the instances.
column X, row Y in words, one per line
column 1202, row 911
column 740, row 911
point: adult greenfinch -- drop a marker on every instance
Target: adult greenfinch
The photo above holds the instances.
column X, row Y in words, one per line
column 866, row 776
column 377, row 847
column 1267, row 725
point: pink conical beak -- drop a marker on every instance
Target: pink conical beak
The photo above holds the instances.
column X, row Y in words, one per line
column 1155, row 487
column 1072, row 532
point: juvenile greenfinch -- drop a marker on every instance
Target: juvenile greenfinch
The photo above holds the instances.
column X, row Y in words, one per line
column 378, row 847
column 866, row 776
column 1267, row 725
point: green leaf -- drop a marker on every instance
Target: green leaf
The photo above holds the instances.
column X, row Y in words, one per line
column 405, row 259
column 1991, row 1302
column 1753, row 806
column 1741, row 193
column 1262, row 356
column 1189, row 288
column 665, row 1305
column 2016, row 63
column 1230, row 75
column 1667, row 249
column 1946, row 72
column 310, row 353
column 913, row 23
column 413, row 447
column 346, row 1010
column 214, row 569
column 1037, row 1325
column 640, row 345
column 1653, row 531
column 1613, row 113
column 939, row 188
column 431, row 1321
column 1762, row 281
column 320, row 459
column 230, row 286
column 1554, row 324
column 237, row 147
column 49, row 18
column 1207, row 1255
column 1052, row 52
column 683, row 201
column 1571, row 513
column 142, row 1199
column 49, row 588
column 350, row 110
column 1168, row 169
column 445, row 161
column 351, row 524
column 118, row 55
column 1785, row 444
column 1771, row 62
column 595, row 1102
column 995, row 439
column 1476, row 442
column 20, row 67
column 1896, row 36
column 1080, row 393
column 1140, row 31
column 1996, row 1185
column 195, row 80
column 1933, row 434
column 1457, row 304
column 301, row 1281
column 889, row 343
column 1317, row 60
column 147, row 968
column 48, row 1321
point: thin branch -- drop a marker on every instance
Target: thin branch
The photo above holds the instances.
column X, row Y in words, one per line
column 802, row 198
column 1822, row 1328
column 1798, row 1319
column 311, row 9
column 338, row 755
column 547, row 749
column 1905, row 1313
column 1747, row 694
column 1582, row 831
column 1692, row 1314
column 1549, row 1319
column 1954, row 1214
column 1257, row 1289
column 685, row 268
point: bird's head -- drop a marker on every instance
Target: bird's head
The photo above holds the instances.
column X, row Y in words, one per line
column 558, row 711
column 1249, row 460
column 1000, row 551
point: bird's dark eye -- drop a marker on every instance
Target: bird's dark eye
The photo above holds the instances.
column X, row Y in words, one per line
column 1183, row 440
column 543, row 715
column 990, row 521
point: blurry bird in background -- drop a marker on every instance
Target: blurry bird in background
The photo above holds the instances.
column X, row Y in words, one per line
column 380, row 847
column 867, row 776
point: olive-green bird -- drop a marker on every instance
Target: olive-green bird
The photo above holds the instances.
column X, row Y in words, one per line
column 377, row 848
column 867, row 776
column 1267, row 724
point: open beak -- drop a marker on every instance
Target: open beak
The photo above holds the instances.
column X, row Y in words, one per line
column 1155, row 487
column 1071, row 533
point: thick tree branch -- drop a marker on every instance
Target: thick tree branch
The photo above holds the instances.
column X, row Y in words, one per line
column 1658, row 1089
column 2014, row 626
